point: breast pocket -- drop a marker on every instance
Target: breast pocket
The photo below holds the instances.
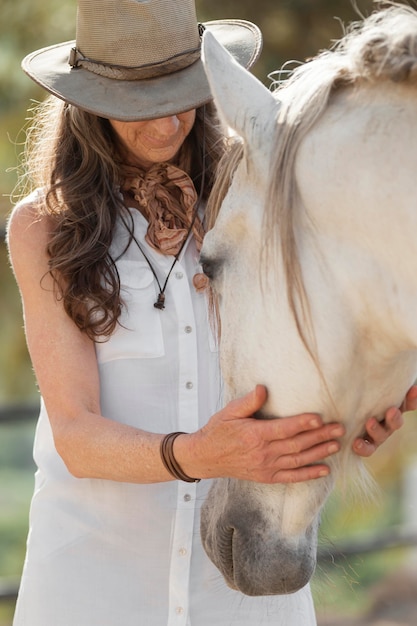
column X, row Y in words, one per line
column 139, row 331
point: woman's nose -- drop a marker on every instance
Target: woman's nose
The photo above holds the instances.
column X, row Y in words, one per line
column 167, row 126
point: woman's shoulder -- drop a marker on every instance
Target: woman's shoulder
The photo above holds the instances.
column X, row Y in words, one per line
column 31, row 207
column 27, row 230
column 28, row 219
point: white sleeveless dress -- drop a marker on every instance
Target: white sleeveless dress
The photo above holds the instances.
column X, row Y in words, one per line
column 103, row 553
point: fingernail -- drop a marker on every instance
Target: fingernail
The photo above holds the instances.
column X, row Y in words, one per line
column 333, row 448
column 315, row 422
column 398, row 418
column 338, row 431
column 324, row 472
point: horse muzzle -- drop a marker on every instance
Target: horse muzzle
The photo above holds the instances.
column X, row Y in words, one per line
column 247, row 547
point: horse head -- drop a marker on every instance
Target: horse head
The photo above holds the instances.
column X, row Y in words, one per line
column 311, row 260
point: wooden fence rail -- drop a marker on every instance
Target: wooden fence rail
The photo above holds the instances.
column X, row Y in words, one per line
column 8, row 589
column 18, row 413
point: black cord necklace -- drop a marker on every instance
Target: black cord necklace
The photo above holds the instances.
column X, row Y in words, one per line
column 160, row 302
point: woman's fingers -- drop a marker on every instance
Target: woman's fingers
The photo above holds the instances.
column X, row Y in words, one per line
column 410, row 402
column 298, row 457
column 308, row 456
column 303, row 431
column 238, row 443
column 246, row 405
column 378, row 432
column 302, row 457
column 301, row 474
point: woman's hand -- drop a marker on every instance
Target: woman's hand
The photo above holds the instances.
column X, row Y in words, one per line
column 235, row 444
column 378, row 432
column 286, row 450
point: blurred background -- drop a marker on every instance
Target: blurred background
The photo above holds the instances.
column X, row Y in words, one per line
column 367, row 559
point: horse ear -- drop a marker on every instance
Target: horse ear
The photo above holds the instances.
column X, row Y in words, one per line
column 243, row 103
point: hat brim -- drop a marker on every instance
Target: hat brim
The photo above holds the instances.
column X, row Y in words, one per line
column 134, row 100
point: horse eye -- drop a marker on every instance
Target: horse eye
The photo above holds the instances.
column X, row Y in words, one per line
column 210, row 267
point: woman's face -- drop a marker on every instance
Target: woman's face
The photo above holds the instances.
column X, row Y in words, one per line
column 153, row 141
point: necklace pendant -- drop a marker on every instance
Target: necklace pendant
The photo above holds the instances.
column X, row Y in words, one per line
column 160, row 303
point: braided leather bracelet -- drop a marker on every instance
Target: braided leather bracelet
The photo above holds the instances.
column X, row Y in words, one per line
column 169, row 460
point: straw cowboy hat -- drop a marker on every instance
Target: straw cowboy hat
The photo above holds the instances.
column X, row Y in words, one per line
column 137, row 59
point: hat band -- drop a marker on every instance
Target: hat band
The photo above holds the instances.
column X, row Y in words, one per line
column 120, row 72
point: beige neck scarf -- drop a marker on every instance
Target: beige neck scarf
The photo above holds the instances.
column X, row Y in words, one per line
column 167, row 198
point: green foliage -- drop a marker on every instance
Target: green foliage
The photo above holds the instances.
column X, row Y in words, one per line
column 16, row 378
column 16, row 443
column 24, row 27
column 343, row 587
column 16, row 490
column 16, row 487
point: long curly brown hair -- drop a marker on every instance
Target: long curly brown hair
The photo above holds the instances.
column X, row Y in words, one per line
column 72, row 155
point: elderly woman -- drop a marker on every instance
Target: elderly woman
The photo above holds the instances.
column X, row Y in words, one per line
column 106, row 255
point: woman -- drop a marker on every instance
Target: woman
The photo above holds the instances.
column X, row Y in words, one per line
column 105, row 253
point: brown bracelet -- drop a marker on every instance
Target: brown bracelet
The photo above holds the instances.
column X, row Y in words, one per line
column 169, row 460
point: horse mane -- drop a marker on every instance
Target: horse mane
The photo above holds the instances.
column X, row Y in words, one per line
column 224, row 173
column 381, row 47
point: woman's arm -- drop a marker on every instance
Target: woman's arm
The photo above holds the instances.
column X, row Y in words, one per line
column 66, row 370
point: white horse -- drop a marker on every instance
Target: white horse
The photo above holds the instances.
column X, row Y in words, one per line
column 314, row 260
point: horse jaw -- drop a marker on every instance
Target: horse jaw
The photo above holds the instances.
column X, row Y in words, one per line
column 242, row 102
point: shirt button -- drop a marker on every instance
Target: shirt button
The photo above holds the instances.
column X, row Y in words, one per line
column 179, row 275
column 188, row 329
column 187, row 497
column 179, row 610
column 189, row 385
column 182, row 551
